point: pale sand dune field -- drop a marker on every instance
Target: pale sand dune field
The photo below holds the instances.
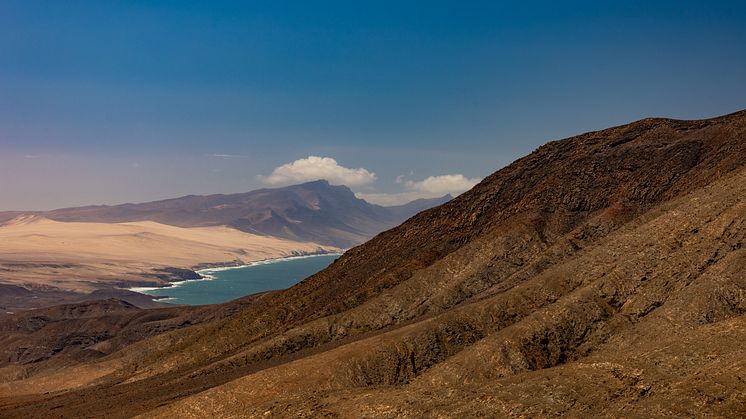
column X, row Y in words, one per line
column 79, row 256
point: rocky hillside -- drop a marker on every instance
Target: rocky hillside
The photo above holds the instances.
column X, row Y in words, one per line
column 311, row 212
column 602, row 274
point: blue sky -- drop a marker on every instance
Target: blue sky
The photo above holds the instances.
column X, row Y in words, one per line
column 108, row 101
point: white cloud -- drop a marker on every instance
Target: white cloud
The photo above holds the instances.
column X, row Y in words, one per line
column 315, row 168
column 441, row 185
column 430, row 187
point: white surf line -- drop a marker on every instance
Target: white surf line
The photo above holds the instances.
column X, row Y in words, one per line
column 208, row 271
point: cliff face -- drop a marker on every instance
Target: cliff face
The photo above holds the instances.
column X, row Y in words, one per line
column 601, row 273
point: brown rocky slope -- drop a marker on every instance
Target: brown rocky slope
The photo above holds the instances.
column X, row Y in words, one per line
column 600, row 275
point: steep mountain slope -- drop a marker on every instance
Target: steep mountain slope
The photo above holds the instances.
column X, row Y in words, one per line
column 315, row 211
column 603, row 273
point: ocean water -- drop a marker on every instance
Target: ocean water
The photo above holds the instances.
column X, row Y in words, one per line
column 225, row 284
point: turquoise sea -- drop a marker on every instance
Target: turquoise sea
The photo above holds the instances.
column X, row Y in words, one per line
column 224, row 284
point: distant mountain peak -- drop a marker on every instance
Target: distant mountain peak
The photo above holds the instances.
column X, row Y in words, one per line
column 315, row 211
column 321, row 185
column 319, row 182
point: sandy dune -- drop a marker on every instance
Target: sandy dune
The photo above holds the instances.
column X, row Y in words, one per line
column 78, row 256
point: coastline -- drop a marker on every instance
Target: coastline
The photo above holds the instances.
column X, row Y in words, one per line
column 205, row 273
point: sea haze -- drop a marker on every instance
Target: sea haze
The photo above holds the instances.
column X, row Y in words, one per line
column 224, row 284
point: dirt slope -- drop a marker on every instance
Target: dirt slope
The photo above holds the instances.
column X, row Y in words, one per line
column 600, row 275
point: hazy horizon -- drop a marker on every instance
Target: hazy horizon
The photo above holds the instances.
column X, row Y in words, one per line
column 113, row 203
column 107, row 104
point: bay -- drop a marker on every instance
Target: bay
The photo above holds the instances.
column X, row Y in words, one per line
column 224, row 284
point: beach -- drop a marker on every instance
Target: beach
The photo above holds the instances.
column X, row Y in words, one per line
column 41, row 255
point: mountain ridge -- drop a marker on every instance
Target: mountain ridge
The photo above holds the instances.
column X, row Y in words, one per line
column 313, row 211
column 601, row 274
